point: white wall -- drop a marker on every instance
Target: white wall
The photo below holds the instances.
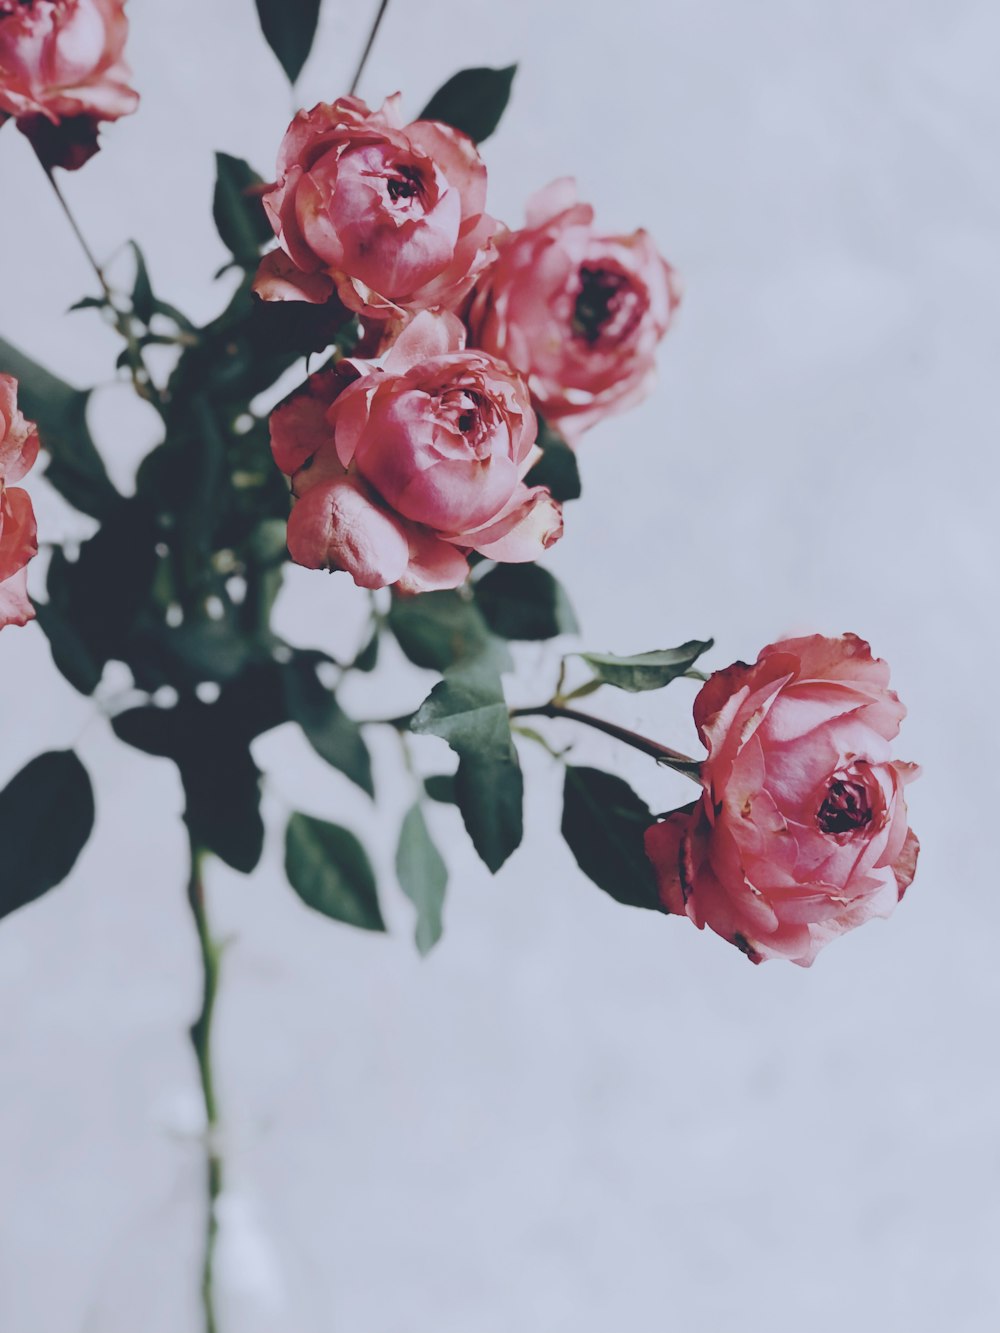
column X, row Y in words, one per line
column 572, row 1118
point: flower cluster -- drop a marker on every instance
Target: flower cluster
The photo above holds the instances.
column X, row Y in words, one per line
column 421, row 460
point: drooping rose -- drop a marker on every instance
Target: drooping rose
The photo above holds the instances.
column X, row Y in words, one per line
column 18, row 542
column 579, row 314
column 62, row 72
column 801, row 833
column 399, row 472
column 389, row 216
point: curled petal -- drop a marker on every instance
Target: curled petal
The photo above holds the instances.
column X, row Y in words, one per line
column 280, row 279
column 530, row 526
column 15, row 605
column 434, row 564
column 339, row 526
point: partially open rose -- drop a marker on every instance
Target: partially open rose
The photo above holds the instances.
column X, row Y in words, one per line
column 399, row 472
column 390, row 217
column 801, row 833
column 578, row 313
column 62, row 73
column 18, row 543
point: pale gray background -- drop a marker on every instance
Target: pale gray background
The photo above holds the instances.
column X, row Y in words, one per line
column 573, row 1118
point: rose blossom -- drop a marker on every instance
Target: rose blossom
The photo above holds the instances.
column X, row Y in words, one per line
column 62, row 73
column 801, row 833
column 18, row 544
column 390, row 217
column 579, row 314
column 398, row 472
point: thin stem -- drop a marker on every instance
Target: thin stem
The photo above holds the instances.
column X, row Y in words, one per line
column 383, row 6
column 201, row 1040
column 661, row 753
column 142, row 381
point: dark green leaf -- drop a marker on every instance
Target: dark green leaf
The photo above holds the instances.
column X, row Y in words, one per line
column 367, row 658
column 603, row 822
column 524, row 602
column 441, row 787
column 237, row 209
column 423, row 877
column 75, row 467
column 46, row 816
column 557, row 468
column 472, row 101
column 438, row 630
column 143, row 300
column 330, row 871
column 646, row 671
column 69, row 650
column 289, row 28
column 333, row 735
column 468, row 710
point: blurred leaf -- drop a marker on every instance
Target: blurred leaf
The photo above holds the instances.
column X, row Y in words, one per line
column 367, row 658
column 333, row 735
column 423, row 877
column 557, row 468
column 468, row 710
column 330, row 871
column 70, row 653
column 472, row 101
column 646, row 671
column 440, row 787
column 237, row 208
column 524, row 602
column 438, row 630
column 75, row 467
column 289, row 28
column 46, row 817
column 210, row 744
column 603, row 823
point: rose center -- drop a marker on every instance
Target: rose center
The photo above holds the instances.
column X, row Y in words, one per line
column 845, row 808
column 404, row 184
column 471, row 415
column 606, row 305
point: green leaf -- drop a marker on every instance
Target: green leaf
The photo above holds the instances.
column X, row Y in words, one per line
column 289, row 28
column 75, row 467
column 46, row 817
column 333, row 735
column 472, row 101
column 143, row 300
column 468, row 710
column 557, row 468
column 330, row 871
column 423, row 877
column 237, row 209
column 524, row 602
column 439, row 630
column 70, row 652
column 646, row 671
column 367, row 658
column 603, row 823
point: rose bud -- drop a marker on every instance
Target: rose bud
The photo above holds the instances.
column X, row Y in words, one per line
column 390, row 217
column 801, row 833
column 399, row 472
column 577, row 313
column 18, row 542
column 62, row 73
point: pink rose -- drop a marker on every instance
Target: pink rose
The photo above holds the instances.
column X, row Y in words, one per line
column 62, row 73
column 390, row 217
column 399, row 472
column 18, row 543
column 577, row 313
column 801, row 833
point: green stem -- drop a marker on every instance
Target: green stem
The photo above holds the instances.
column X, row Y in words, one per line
column 663, row 754
column 201, row 1040
column 142, row 381
column 383, row 6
